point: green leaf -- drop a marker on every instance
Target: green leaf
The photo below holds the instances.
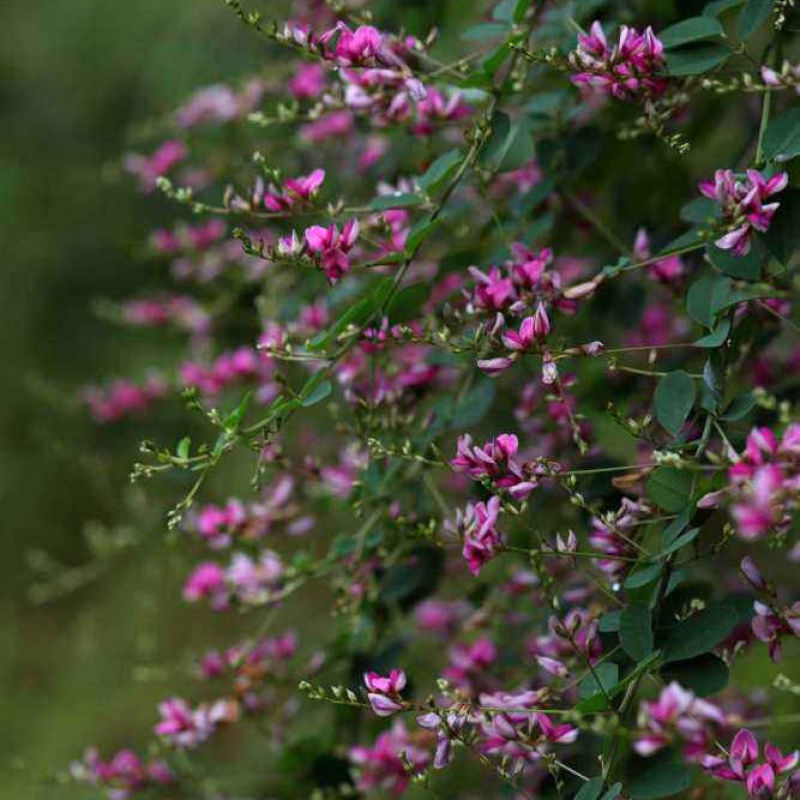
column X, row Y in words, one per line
column 419, row 233
column 439, row 172
column 690, row 30
column 485, row 31
column 387, row 201
column 782, row 136
column 492, row 63
column 696, row 59
column 613, row 791
column 510, row 145
column 746, row 268
column 704, row 675
column 675, row 528
column 474, row 407
column 680, row 541
column 608, row 675
column 718, row 7
column 660, row 780
column 717, row 337
column 689, row 238
column 700, row 633
column 674, row 398
column 698, row 300
column 519, row 10
column 357, row 314
column 670, row 488
column 182, row 450
column 504, row 10
column 783, row 237
column 609, row 622
column 701, row 210
column 591, row 790
column 317, row 394
column 231, row 422
column 643, row 577
column 754, row 14
column 740, row 407
column 636, row 631
column 407, row 303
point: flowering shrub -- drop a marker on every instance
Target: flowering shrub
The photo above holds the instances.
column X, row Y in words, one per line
column 499, row 395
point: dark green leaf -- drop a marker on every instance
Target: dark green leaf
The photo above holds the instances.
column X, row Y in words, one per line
column 698, row 300
column 717, row 337
column 690, row 30
column 609, row 622
column 407, row 303
column 700, row 633
column 680, row 541
column 317, row 394
column 395, row 201
column 608, row 675
column 485, row 31
column 439, row 172
column 700, row 210
column 704, row 675
column 419, row 233
column 504, row 10
column 636, row 631
column 718, row 7
column 754, row 14
column 783, row 237
column 520, row 8
column 674, row 398
column 696, row 59
column 740, row 407
column 675, row 528
column 233, row 419
column 642, row 577
column 590, row 790
column 782, row 136
column 747, row 267
column 612, row 792
column 660, row 780
column 670, row 488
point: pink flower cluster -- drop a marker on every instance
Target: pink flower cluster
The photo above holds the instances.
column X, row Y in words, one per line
column 149, row 168
column 219, row 103
column 476, row 526
column 764, row 487
column 496, row 461
column 122, row 398
column 184, row 727
column 243, row 365
column 293, row 194
column 742, row 765
column 189, row 237
column 329, row 247
column 631, row 69
column 742, row 207
column 613, row 533
column 248, row 580
column 384, row 693
column 678, row 714
column 123, row 775
column 168, row 309
column 382, row 766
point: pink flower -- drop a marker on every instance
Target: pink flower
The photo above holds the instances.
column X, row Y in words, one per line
column 629, row 70
column 332, row 246
column 481, row 539
column 308, row 81
column 741, row 205
column 207, row 581
column 182, row 726
column 383, row 693
column 149, row 168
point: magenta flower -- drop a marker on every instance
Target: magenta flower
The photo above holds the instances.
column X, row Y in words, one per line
column 331, row 247
column 477, row 527
column 207, row 582
column 149, row 168
column 741, row 205
column 184, row 727
column 383, row 693
column 628, row 70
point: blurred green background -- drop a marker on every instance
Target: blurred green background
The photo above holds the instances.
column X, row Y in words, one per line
column 75, row 76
